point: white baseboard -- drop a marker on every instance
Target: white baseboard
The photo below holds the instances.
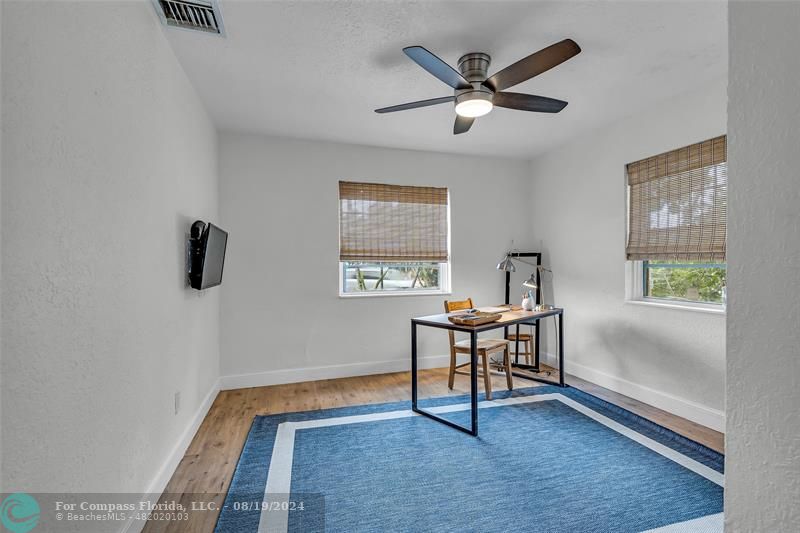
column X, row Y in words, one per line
column 296, row 375
column 706, row 416
column 695, row 412
column 174, row 458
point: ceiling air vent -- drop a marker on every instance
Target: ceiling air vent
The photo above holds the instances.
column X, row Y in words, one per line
column 200, row 15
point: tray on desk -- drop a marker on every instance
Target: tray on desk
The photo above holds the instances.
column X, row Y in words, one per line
column 474, row 319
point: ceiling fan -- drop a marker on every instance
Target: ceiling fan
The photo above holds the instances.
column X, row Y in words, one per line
column 475, row 94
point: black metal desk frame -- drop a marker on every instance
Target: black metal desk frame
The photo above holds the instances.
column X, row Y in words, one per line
column 473, row 335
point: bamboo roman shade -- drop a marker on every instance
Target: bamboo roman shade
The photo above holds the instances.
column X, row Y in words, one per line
column 678, row 204
column 392, row 223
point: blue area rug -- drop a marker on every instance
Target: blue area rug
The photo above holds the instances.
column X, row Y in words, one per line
column 547, row 459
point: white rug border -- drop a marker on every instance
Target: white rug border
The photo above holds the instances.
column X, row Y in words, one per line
column 713, row 523
column 279, row 477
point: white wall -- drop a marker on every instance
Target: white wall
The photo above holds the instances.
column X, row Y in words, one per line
column 762, row 467
column 108, row 157
column 674, row 359
column 280, row 308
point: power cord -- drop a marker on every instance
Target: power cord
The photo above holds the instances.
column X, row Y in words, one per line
column 542, row 271
column 545, row 373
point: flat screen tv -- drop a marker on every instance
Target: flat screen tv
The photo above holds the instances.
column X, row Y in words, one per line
column 207, row 245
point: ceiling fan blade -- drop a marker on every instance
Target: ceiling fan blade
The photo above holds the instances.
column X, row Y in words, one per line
column 462, row 125
column 533, row 65
column 528, row 102
column 437, row 67
column 414, row 105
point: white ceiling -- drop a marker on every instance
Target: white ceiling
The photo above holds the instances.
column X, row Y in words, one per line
column 317, row 70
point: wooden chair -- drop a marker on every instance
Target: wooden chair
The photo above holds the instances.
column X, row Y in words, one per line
column 486, row 347
column 526, row 343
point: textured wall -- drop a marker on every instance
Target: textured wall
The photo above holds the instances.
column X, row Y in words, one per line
column 279, row 200
column 672, row 358
column 762, row 470
column 1, row 269
column 108, row 157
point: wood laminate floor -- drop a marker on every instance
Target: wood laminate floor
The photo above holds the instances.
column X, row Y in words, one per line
column 209, row 462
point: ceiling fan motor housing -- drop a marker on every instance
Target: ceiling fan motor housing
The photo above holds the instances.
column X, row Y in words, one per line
column 474, row 67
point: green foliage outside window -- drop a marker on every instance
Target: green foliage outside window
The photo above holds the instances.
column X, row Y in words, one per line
column 693, row 281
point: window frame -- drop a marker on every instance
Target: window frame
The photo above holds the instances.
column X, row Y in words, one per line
column 444, row 285
column 445, row 274
column 635, row 293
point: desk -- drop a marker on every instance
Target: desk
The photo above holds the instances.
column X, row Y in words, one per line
column 508, row 318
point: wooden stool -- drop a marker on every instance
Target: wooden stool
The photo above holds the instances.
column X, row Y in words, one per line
column 485, row 348
column 526, row 341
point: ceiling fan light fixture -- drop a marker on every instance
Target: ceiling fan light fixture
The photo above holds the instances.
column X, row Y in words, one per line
column 474, row 104
column 476, row 94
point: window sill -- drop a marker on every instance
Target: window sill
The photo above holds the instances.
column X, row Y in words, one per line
column 697, row 308
column 392, row 294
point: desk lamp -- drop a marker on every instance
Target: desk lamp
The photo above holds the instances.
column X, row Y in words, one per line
column 506, row 265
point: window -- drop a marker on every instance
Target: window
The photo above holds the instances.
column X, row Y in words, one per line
column 393, row 239
column 684, row 281
column 677, row 225
column 361, row 277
